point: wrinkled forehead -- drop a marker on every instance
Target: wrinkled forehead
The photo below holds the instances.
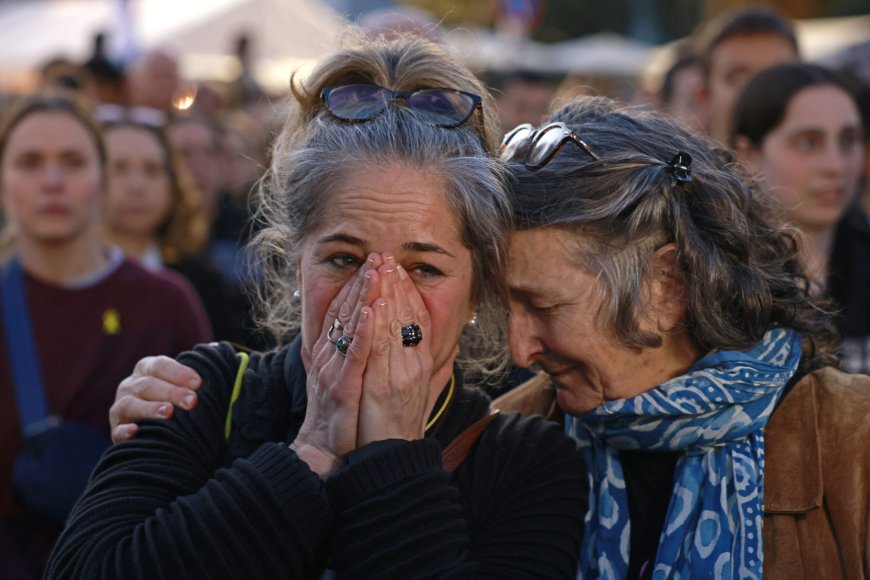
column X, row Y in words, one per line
column 390, row 206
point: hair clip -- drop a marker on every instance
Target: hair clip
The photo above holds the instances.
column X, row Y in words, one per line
column 681, row 167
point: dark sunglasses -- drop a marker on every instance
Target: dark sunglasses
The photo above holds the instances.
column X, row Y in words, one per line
column 535, row 148
column 447, row 108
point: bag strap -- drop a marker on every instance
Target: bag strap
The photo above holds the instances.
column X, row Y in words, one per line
column 455, row 453
column 21, row 348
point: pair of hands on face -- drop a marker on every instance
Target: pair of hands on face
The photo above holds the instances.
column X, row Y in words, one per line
column 378, row 390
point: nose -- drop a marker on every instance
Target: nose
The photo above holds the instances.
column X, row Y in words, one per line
column 52, row 177
column 136, row 181
column 834, row 161
column 525, row 345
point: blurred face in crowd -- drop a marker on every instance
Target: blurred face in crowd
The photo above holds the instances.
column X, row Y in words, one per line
column 732, row 64
column 139, row 194
column 683, row 104
column 198, row 146
column 523, row 101
column 240, row 165
column 152, row 81
column 813, row 159
column 51, row 178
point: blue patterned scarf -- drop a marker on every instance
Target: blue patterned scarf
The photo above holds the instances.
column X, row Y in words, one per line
column 715, row 414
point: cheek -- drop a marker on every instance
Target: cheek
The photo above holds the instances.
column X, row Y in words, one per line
column 449, row 312
column 785, row 174
column 162, row 200
column 317, row 293
column 89, row 189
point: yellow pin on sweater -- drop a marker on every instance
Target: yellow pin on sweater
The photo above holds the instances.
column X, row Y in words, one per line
column 111, row 322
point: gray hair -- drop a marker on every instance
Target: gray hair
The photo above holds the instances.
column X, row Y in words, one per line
column 315, row 152
column 740, row 262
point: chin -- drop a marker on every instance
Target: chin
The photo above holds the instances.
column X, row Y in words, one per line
column 573, row 405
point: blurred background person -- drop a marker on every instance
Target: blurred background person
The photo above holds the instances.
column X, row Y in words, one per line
column 154, row 214
column 198, row 141
column 680, row 90
column 733, row 48
column 109, row 81
column 244, row 146
column 523, row 96
column 61, row 72
column 91, row 314
column 152, row 81
column 799, row 126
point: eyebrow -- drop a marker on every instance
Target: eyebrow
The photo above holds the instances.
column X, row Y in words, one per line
column 813, row 130
column 410, row 246
column 424, row 247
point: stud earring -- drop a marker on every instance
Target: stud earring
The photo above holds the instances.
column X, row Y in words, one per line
column 473, row 320
column 297, row 293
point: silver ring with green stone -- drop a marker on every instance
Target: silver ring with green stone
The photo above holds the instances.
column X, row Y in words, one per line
column 342, row 344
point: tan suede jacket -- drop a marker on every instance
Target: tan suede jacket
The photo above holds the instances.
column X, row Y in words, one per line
column 817, row 473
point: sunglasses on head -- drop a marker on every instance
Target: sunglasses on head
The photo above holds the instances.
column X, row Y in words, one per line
column 117, row 115
column 535, row 148
column 447, row 108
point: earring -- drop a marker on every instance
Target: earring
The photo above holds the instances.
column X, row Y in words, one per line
column 297, row 293
column 473, row 320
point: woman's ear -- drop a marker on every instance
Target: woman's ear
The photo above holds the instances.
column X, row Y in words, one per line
column 747, row 152
column 667, row 304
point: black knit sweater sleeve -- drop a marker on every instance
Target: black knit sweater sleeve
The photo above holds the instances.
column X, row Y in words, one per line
column 513, row 509
column 163, row 506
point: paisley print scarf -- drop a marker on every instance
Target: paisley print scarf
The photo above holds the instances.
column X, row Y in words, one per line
column 715, row 414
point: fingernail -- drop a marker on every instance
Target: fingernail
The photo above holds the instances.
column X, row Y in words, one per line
column 163, row 410
column 402, row 274
column 187, row 402
column 193, row 383
column 382, row 305
column 363, row 315
column 391, row 259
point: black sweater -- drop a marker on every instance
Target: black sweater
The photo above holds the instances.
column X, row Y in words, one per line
column 180, row 501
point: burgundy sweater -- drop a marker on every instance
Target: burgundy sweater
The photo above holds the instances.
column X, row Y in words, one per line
column 88, row 340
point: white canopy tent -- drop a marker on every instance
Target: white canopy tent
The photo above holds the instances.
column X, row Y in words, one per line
column 284, row 33
column 287, row 34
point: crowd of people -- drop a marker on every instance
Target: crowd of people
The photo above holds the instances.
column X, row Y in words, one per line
column 495, row 334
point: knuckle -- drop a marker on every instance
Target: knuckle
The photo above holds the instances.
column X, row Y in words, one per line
column 423, row 318
column 143, row 365
column 138, row 387
column 381, row 347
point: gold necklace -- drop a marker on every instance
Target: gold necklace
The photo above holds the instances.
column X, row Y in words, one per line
column 444, row 405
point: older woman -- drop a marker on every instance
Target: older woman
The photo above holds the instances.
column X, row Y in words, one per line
column 358, row 447
column 667, row 305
